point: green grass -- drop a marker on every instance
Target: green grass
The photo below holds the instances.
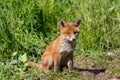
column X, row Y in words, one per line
column 17, row 70
column 28, row 26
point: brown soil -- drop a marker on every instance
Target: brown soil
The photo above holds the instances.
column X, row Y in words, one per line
column 92, row 73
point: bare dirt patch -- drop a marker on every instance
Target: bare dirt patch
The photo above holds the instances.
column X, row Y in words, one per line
column 90, row 74
column 100, row 68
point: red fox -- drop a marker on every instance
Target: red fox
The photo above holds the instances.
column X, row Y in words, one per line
column 59, row 53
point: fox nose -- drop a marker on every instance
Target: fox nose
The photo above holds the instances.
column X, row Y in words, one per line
column 73, row 39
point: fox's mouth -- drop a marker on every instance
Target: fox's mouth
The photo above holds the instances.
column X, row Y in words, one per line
column 70, row 39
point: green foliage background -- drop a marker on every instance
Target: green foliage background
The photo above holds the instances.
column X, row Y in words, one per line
column 28, row 26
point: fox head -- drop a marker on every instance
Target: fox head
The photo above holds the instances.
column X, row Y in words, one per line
column 70, row 31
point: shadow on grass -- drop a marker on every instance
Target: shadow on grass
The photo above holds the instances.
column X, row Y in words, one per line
column 94, row 71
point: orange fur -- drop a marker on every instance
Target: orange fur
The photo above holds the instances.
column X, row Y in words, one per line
column 59, row 53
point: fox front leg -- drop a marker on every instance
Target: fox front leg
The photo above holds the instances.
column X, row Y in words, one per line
column 56, row 64
column 70, row 64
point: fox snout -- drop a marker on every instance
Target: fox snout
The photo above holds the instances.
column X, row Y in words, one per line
column 73, row 39
column 70, row 39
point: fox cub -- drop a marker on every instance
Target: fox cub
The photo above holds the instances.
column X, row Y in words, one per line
column 59, row 53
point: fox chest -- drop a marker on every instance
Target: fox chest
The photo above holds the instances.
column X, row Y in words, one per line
column 67, row 47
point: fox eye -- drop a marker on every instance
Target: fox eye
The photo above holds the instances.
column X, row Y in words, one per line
column 68, row 32
column 75, row 32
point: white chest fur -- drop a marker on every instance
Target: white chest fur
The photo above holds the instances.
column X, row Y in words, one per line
column 67, row 47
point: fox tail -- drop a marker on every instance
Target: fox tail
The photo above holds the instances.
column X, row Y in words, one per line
column 33, row 64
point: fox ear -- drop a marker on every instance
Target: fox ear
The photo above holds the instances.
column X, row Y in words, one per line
column 62, row 23
column 77, row 23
